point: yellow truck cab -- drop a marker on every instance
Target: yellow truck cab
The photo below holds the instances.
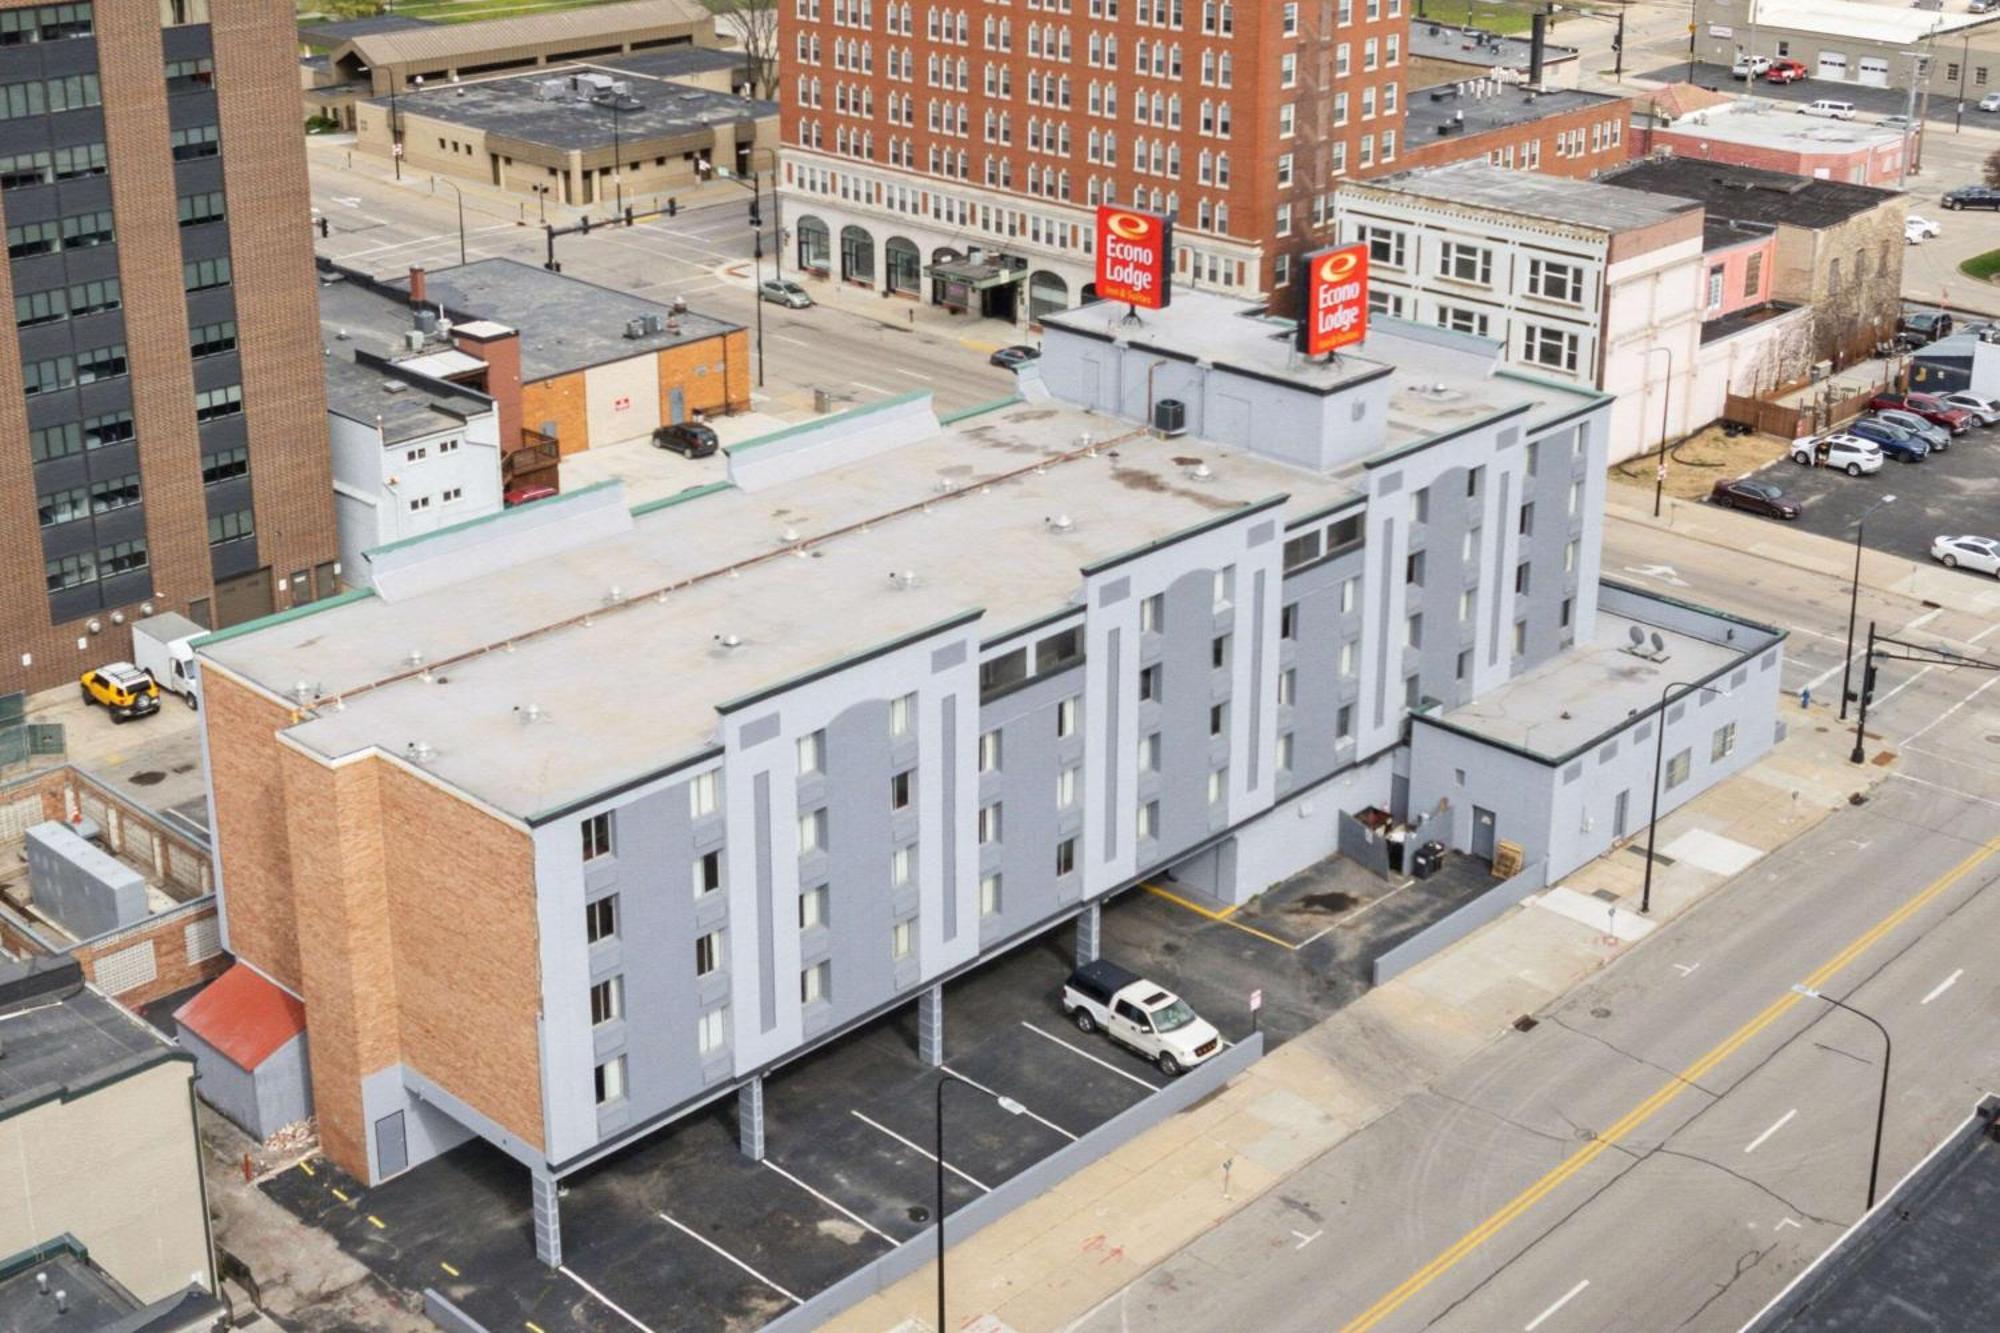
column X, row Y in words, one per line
column 123, row 689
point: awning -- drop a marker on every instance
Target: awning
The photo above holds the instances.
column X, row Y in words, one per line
column 979, row 274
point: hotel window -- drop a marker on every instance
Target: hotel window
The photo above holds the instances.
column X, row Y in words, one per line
column 1285, row 752
column 1218, row 785
column 1066, row 718
column 989, row 752
column 1385, row 246
column 1465, row 263
column 711, row 1031
column 597, row 836
column 1149, row 820
column 607, row 1001
column 702, row 795
column 812, row 831
column 989, row 823
column 902, row 715
column 1149, row 752
column 1678, row 768
column 1065, row 857
column 812, row 753
column 1555, row 282
column 1152, row 614
column 707, row 873
column 902, row 939
column 903, row 866
column 1724, row 743
column 899, row 790
column 611, row 1080
column 708, row 953
column 1288, row 686
column 600, row 919
column 1218, row 719
column 1066, row 787
column 1461, row 319
column 812, row 907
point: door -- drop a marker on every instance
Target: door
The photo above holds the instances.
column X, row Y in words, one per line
column 1482, row 833
column 1130, row 1025
column 1619, row 812
column 245, row 597
column 1873, row 72
column 676, row 407
column 392, row 1149
column 1833, row 65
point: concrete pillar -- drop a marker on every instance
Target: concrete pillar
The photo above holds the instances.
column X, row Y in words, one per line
column 1089, row 934
column 750, row 1119
column 930, row 1026
column 548, row 1219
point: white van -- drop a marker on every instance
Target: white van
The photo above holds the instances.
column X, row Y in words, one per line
column 1827, row 106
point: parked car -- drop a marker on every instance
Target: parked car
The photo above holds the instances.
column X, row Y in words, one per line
column 784, row 292
column 521, row 495
column 1928, row 324
column 1846, row 453
column 1899, row 121
column 1014, row 357
column 1831, row 107
column 1753, row 497
column 1912, row 234
column 1980, row 554
column 1749, row 67
column 1986, row 410
column 122, row 690
column 1924, row 225
column 1784, row 71
column 690, row 439
column 1134, row 1012
column 1975, row 196
column 1982, row 6
column 1936, row 436
column 1926, row 405
column 1896, row 442
column 1990, row 102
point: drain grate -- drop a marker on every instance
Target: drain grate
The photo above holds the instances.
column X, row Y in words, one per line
column 1526, row 1023
column 1639, row 850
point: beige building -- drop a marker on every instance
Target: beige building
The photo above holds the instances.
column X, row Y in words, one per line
column 624, row 129
column 1859, row 43
column 97, row 1136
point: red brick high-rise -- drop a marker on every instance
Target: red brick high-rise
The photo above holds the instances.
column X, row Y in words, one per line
column 162, row 407
column 954, row 153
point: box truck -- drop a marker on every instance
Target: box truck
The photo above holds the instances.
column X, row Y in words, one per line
column 162, row 647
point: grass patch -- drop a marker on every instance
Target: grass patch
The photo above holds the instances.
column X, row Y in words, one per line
column 1698, row 462
column 467, row 11
column 1499, row 16
column 1982, row 267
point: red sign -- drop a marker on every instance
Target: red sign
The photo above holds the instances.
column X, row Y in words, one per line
column 1336, row 299
column 1134, row 258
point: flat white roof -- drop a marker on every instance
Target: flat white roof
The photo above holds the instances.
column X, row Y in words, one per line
column 1772, row 124
column 1891, row 22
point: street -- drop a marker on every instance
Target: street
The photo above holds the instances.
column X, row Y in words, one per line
column 1671, row 1142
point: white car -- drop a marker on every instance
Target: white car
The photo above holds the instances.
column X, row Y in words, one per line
column 1980, row 554
column 1749, row 67
column 1846, row 453
column 1924, row 225
column 1986, row 409
column 1913, row 233
column 1990, row 102
column 1830, row 107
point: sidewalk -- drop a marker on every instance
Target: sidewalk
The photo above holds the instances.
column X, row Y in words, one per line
column 1049, row 1264
column 972, row 332
column 1805, row 551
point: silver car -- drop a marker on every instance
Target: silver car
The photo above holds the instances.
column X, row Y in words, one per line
column 1936, row 436
column 1986, row 409
column 782, row 291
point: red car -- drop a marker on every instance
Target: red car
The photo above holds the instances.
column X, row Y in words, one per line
column 1926, row 405
column 1784, row 71
column 521, row 495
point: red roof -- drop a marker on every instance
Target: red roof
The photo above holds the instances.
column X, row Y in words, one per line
column 243, row 1016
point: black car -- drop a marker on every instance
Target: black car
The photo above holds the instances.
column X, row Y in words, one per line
column 1014, row 357
column 1972, row 196
column 689, row 438
column 1930, row 325
column 1753, row 497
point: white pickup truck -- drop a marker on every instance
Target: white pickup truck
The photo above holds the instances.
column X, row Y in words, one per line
column 1152, row 1020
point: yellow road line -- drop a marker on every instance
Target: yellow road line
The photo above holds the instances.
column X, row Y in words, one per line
column 448, row 1268
column 340, row 1194
column 376, row 1222
column 1213, row 915
column 531, row 1326
column 1644, row 1111
column 307, row 1168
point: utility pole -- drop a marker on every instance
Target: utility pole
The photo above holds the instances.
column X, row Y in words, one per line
column 617, row 156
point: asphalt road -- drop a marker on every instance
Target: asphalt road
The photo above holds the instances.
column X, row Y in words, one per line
column 1947, row 494
column 703, row 254
column 1682, row 1134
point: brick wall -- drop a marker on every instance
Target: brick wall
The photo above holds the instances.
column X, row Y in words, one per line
column 560, row 400
column 248, row 818
column 167, row 936
column 1517, row 145
column 712, row 375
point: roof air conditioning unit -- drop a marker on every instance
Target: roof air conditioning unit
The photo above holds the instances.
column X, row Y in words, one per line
column 635, row 328
column 1170, row 417
column 414, row 339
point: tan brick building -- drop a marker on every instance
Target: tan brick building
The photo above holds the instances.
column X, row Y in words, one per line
column 167, row 448
column 954, row 153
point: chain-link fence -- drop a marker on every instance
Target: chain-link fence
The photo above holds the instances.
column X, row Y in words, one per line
column 24, row 743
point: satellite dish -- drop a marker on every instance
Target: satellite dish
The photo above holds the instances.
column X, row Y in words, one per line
column 1637, row 635
column 1659, row 644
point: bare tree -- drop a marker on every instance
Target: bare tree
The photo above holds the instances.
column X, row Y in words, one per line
column 754, row 23
column 1993, row 168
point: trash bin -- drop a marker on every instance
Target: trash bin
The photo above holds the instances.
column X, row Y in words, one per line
column 1428, row 860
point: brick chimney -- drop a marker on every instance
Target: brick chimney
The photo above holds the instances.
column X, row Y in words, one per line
column 417, row 292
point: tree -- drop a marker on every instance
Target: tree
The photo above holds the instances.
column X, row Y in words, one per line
column 754, row 24
column 349, row 9
column 1993, row 168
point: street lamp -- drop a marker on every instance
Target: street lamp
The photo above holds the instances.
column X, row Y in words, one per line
column 1854, row 601
column 1007, row 1104
column 461, row 213
column 1666, row 404
column 1659, row 755
column 1882, row 1102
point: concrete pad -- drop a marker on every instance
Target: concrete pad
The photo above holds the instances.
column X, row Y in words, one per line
column 1605, row 918
column 1712, row 852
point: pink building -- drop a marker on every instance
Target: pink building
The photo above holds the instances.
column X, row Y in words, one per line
column 1737, row 259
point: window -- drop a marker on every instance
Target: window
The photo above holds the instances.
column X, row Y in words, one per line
column 1066, row 718
column 1344, row 721
column 1678, row 767
column 1218, row 652
column 212, row 339
column 196, row 209
column 1520, row 637
column 815, row 984
column 1523, row 577
column 989, row 752
column 600, row 919
column 1724, row 742
column 899, row 790
column 1556, row 282
column 812, row 831
column 1153, row 614
column 711, row 1031
column 64, row 505
column 1302, row 549
column 597, row 836
column 1545, row 346
column 1464, row 319
column 708, row 953
column 1466, row 263
column 1413, row 630
column 607, row 1001
column 902, row 866
column 812, row 753
column 1066, row 787
column 1413, row 569
column 902, row 939
column 1225, row 587
column 1218, row 785
column 1149, row 752
column 197, row 141
column 224, row 466
column 989, row 894
column 1149, row 684
column 1385, row 246
column 202, row 274
column 812, row 907
column 1149, row 820
column 1288, row 621
column 1059, row 651
column 989, row 823
column 1753, row 276
column 114, row 493
column 702, row 794
column 1065, row 857
column 215, row 404
column 611, row 1080
column 707, row 873
column 1347, row 658
column 1285, row 751
column 1218, row 719
column 1715, row 276
column 1288, row 686
column 903, row 715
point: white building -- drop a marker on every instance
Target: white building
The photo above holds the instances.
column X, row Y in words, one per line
column 411, row 454
column 1589, row 284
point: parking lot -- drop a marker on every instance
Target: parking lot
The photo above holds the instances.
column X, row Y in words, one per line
column 684, row 1232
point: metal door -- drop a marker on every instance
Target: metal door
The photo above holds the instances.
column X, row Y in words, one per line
column 1482, row 833
column 1618, row 813
column 676, row 407
column 392, row 1149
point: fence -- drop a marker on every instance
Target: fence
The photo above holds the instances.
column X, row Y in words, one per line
column 1436, row 936
column 1790, row 421
column 22, row 741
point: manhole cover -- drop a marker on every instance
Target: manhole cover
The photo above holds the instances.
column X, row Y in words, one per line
column 1600, row 1012
column 1526, row 1023
column 919, row 1214
column 147, row 778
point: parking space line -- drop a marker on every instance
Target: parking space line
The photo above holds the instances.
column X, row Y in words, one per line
column 853, row 1217
column 606, row 1301
column 927, row 1153
column 1221, row 918
column 1024, row 1110
column 725, row 1254
column 1122, row 1073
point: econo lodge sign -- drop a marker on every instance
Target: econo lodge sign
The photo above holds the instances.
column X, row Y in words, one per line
column 1134, row 257
column 1336, row 299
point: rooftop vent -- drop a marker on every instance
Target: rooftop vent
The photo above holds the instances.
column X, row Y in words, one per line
column 905, row 579
column 420, row 752
column 1200, row 472
column 530, row 714
column 305, row 691
column 393, row 386
column 413, row 658
column 614, row 595
column 789, row 536
column 729, row 640
column 636, row 328
column 1060, row 523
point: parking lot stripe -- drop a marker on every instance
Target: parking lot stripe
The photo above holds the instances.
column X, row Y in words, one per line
column 1122, row 1073
column 1024, row 1110
column 927, row 1153
column 606, row 1301
column 1221, row 918
column 731, row 1258
column 853, row 1217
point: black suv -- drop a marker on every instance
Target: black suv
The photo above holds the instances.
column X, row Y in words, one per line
column 1929, row 325
column 1972, row 196
column 688, row 438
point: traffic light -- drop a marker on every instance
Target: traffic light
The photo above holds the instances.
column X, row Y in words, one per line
column 628, row 215
column 673, row 206
column 756, row 219
column 324, row 229
column 1868, row 684
column 585, row 226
